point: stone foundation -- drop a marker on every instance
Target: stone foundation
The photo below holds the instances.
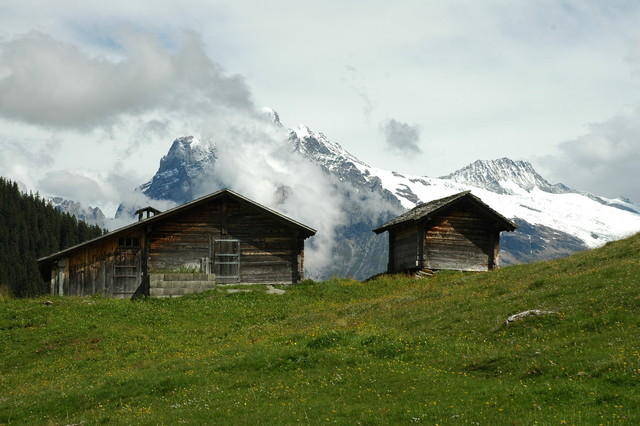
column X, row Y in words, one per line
column 179, row 284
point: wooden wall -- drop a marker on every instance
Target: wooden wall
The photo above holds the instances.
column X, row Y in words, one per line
column 463, row 239
column 270, row 250
column 96, row 269
column 404, row 248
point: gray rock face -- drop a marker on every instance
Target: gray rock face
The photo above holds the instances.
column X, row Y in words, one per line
column 91, row 215
column 179, row 170
column 503, row 174
column 335, row 160
column 500, row 175
column 536, row 242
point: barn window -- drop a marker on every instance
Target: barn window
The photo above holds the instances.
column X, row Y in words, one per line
column 129, row 242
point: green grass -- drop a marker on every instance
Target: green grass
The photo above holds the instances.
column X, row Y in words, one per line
column 393, row 350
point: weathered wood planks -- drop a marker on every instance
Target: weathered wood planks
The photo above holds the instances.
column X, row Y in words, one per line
column 463, row 236
column 270, row 251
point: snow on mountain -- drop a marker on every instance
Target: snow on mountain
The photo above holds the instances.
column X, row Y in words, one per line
column 316, row 147
column 553, row 220
column 273, row 116
column 91, row 215
column 513, row 188
column 573, row 213
column 502, row 174
column 185, row 162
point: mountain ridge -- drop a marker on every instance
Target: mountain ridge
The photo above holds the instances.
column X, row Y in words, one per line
column 554, row 219
column 501, row 174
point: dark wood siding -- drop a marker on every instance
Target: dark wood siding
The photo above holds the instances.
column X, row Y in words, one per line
column 405, row 248
column 101, row 268
column 460, row 239
column 270, row 251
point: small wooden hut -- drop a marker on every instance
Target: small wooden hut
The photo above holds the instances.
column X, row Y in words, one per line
column 459, row 232
column 219, row 238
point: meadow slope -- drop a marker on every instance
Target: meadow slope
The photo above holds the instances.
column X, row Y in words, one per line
column 392, row 350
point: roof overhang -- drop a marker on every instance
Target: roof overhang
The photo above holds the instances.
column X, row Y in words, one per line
column 504, row 223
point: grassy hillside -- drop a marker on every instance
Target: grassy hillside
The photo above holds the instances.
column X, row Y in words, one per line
column 393, row 350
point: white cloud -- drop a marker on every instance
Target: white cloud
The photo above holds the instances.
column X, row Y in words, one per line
column 72, row 186
column 19, row 159
column 605, row 160
column 255, row 159
column 51, row 83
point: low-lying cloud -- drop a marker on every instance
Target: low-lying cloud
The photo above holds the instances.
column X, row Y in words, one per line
column 402, row 137
column 254, row 159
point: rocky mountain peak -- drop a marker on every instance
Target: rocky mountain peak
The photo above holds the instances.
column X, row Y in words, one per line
column 273, row 116
column 504, row 176
column 187, row 149
column 184, row 163
column 318, row 148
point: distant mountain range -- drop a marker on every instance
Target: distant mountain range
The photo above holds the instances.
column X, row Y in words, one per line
column 91, row 215
column 554, row 220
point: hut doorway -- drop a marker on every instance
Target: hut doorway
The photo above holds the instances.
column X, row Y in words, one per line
column 226, row 260
column 127, row 268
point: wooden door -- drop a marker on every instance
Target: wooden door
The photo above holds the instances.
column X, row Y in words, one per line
column 126, row 273
column 226, row 260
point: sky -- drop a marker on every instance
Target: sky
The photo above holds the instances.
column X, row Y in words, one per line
column 92, row 95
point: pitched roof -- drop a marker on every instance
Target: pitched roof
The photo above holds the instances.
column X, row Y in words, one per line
column 308, row 231
column 433, row 207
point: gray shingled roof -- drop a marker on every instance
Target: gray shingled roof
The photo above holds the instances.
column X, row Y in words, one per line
column 429, row 209
column 307, row 230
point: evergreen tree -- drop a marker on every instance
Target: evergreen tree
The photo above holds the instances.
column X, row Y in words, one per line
column 31, row 228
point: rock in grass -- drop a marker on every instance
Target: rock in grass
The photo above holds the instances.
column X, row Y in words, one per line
column 525, row 314
column 272, row 290
column 237, row 290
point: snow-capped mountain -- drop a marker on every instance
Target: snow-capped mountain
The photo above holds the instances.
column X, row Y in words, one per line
column 184, row 164
column 501, row 175
column 91, row 215
column 514, row 188
column 553, row 219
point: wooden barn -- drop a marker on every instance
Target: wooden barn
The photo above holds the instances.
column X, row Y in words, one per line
column 458, row 232
column 220, row 238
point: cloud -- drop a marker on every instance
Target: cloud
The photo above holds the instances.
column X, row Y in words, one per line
column 402, row 137
column 93, row 189
column 19, row 159
column 355, row 82
column 47, row 82
column 72, row 186
column 605, row 160
column 255, row 159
